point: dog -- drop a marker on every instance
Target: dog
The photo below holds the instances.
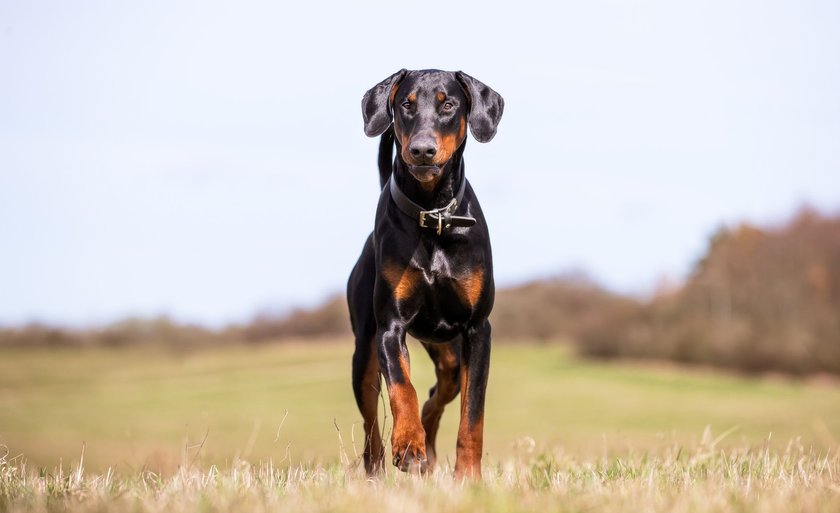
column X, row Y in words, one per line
column 427, row 268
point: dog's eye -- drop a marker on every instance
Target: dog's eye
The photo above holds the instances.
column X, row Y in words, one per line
column 448, row 106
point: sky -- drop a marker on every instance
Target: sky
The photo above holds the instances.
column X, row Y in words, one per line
column 206, row 160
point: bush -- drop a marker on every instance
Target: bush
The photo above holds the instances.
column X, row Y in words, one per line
column 761, row 299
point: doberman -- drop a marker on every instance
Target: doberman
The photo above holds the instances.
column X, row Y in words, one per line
column 426, row 270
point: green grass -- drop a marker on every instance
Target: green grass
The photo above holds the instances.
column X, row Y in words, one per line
column 135, row 409
column 275, row 428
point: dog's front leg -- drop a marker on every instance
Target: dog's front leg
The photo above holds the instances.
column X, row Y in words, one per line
column 408, row 438
column 475, row 366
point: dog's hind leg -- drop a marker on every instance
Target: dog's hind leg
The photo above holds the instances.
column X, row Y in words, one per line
column 475, row 364
column 366, row 374
column 447, row 360
column 366, row 388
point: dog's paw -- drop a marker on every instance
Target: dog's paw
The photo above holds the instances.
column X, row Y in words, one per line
column 410, row 456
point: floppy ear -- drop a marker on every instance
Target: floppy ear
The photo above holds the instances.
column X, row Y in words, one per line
column 376, row 104
column 486, row 107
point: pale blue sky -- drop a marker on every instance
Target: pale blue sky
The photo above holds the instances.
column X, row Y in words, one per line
column 207, row 161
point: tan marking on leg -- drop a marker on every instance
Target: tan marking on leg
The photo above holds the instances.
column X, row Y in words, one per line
column 403, row 280
column 470, row 437
column 408, row 440
column 448, row 358
column 371, row 383
column 469, row 449
column 446, row 388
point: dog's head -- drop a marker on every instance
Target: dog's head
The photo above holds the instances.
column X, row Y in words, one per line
column 430, row 110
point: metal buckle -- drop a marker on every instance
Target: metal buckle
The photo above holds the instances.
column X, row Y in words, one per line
column 438, row 214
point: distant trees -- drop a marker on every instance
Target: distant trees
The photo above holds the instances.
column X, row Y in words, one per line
column 760, row 299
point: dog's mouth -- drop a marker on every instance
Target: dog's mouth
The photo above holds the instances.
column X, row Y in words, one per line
column 425, row 174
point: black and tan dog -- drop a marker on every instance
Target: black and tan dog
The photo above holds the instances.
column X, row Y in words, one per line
column 427, row 269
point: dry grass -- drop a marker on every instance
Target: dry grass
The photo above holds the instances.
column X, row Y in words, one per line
column 673, row 478
column 201, row 431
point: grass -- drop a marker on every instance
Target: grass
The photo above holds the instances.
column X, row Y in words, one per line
column 139, row 409
column 275, row 427
column 703, row 479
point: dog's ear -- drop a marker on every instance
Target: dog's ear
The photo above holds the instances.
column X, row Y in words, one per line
column 486, row 107
column 376, row 104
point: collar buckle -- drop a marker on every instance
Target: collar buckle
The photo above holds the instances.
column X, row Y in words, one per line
column 442, row 215
column 439, row 219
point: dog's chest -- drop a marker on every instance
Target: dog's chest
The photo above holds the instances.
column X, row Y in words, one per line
column 450, row 278
column 440, row 268
column 446, row 300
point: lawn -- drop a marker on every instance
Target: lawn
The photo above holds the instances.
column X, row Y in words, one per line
column 154, row 409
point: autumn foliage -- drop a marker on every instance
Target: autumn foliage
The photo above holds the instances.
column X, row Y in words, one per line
column 760, row 299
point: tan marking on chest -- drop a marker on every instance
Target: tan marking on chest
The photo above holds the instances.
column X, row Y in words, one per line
column 403, row 280
column 469, row 287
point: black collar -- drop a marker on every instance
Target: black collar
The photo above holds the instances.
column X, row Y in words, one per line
column 438, row 219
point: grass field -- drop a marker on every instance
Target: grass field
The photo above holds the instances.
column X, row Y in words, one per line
column 163, row 430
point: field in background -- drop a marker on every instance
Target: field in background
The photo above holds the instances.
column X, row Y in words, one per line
column 134, row 409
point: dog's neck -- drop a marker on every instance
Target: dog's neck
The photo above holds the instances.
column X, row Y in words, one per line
column 444, row 190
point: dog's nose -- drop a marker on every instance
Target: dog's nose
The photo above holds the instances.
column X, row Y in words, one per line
column 423, row 148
